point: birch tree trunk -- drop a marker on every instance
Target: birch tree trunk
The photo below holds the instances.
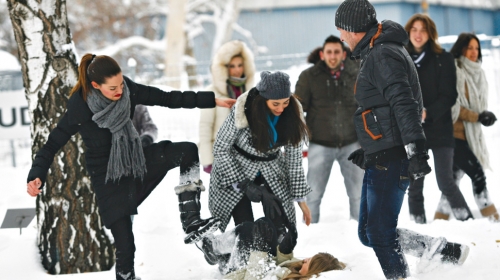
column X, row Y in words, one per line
column 71, row 238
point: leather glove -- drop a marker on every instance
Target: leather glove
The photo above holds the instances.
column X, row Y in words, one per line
column 289, row 241
column 487, row 118
column 251, row 190
column 418, row 166
column 358, row 157
column 146, row 140
column 271, row 204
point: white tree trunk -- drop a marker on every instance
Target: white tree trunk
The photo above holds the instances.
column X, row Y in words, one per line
column 71, row 238
column 176, row 42
column 224, row 25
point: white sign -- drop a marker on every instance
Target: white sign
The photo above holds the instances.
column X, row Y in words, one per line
column 14, row 115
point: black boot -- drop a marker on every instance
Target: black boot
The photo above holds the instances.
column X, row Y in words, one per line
column 454, row 253
column 205, row 245
column 189, row 206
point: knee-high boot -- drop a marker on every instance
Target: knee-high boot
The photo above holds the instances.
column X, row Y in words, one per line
column 189, row 205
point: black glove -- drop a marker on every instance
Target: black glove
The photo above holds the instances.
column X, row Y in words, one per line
column 289, row 241
column 487, row 118
column 271, row 204
column 146, row 140
column 251, row 190
column 418, row 166
column 358, row 157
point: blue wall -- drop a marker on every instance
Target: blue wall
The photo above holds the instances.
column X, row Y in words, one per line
column 299, row 30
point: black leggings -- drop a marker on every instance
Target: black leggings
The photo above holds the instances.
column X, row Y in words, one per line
column 160, row 158
column 243, row 212
column 465, row 160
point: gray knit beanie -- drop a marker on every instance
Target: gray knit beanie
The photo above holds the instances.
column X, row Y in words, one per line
column 274, row 85
column 355, row 16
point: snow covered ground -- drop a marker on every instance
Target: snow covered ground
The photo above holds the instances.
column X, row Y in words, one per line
column 161, row 253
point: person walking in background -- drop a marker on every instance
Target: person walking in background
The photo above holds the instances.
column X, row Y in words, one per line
column 144, row 125
column 123, row 173
column 469, row 113
column 325, row 91
column 258, row 156
column 388, row 124
column 437, row 76
column 233, row 71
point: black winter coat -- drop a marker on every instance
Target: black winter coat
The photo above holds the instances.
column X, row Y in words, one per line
column 388, row 94
column 114, row 199
column 438, row 81
column 329, row 103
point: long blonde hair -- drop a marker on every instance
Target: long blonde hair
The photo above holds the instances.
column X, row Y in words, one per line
column 320, row 262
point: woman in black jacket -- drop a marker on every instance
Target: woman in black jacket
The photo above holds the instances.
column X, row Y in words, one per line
column 122, row 173
column 437, row 76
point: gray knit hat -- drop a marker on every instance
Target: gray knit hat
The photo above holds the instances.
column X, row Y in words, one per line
column 355, row 16
column 274, row 85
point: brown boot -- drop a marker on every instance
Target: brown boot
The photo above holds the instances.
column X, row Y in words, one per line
column 491, row 213
column 441, row 216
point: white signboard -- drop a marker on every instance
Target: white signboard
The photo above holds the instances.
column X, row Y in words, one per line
column 14, row 115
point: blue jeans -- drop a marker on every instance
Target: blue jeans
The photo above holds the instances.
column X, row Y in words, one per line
column 382, row 194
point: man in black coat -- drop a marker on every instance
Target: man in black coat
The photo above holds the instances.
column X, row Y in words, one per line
column 387, row 121
column 437, row 76
column 325, row 91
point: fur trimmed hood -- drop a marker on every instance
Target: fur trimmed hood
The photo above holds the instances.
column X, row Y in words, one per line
column 223, row 57
column 240, row 118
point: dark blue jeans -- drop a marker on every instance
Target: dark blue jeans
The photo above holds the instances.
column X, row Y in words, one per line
column 384, row 187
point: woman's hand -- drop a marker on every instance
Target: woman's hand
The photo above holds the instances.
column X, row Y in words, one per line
column 225, row 102
column 306, row 212
column 33, row 187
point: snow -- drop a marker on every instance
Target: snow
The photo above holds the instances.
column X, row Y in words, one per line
column 9, row 62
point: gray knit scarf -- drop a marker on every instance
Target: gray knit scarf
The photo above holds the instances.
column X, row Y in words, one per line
column 126, row 156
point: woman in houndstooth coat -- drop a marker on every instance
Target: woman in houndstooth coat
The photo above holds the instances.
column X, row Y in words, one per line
column 258, row 150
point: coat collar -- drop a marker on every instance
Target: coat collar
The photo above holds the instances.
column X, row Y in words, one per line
column 240, row 118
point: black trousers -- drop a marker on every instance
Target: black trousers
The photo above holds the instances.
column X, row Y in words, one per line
column 443, row 168
column 160, row 158
column 466, row 161
column 243, row 212
column 260, row 235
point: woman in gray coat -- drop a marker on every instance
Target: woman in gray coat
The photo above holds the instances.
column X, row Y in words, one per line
column 258, row 156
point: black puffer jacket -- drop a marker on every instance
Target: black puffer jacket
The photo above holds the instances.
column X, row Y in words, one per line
column 388, row 94
column 438, row 80
column 329, row 103
column 114, row 200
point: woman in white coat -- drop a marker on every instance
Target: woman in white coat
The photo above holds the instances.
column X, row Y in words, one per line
column 233, row 71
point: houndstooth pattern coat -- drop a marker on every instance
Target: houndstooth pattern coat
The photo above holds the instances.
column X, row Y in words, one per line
column 285, row 174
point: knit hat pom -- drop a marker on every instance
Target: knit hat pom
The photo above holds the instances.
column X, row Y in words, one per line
column 274, row 85
column 355, row 16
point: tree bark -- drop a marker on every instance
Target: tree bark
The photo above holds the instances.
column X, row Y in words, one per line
column 71, row 238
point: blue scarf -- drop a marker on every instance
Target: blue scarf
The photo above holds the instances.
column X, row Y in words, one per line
column 273, row 120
